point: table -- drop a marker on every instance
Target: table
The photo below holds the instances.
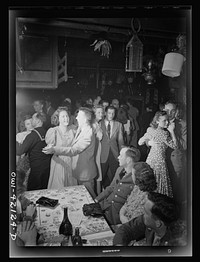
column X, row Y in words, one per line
column 95, row 230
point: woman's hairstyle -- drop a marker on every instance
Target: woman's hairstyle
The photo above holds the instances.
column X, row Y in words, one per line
column 156, row 117
column 98, row 106
column 26, row 117
column 55, row 116
column 164, row 207
column 145, row 179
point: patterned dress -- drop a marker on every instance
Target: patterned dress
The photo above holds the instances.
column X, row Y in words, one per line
column 61, row 166
column 134, row 205
column 157, row 157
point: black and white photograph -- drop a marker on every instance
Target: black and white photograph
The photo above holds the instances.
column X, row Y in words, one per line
column 100, row 122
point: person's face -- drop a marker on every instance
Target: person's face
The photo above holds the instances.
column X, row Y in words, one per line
column 110, row 82
column 163, row 121
column 28, row 124
column 99, row 113
column 63, row 118
column 110, row 114
column 105, row 104
column 149, row 221
column 171, row 110
column 122, row 157
column 35, row 121
column 89, row 101
column 81, row 118
column 37, row 106
column 115, row 103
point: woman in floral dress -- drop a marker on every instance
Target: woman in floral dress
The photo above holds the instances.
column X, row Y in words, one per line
column 162, row 135
column 61, row 135
column 134, row 206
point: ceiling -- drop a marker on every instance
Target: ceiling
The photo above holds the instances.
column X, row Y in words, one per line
column 158, row 29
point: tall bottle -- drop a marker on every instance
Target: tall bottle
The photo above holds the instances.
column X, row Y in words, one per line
column 76, row 239
column 66, row 226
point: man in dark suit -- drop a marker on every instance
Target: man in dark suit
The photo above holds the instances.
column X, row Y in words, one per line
column 111, row 145
column 176, row 158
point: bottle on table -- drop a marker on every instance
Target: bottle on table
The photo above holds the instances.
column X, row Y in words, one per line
column 76, row 239
column 66, row 229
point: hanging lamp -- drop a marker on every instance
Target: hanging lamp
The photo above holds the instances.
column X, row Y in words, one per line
column 174, row 60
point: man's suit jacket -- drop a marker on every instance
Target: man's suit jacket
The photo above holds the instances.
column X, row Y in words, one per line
column 115, row 141
column 176, row 157
column 82, row 153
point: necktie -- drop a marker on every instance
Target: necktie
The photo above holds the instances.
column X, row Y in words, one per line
column 108, row 129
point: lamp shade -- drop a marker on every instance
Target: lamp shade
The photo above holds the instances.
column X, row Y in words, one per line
column 172, row 64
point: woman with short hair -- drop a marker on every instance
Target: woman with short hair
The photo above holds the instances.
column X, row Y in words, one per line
column 60, row 135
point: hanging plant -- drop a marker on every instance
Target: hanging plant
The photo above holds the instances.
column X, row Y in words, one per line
column 102, row 46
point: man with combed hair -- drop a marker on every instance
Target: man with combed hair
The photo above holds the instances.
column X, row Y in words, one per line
column 81, row 150
column 114, row 196
column 158, row 226
column 111, row 145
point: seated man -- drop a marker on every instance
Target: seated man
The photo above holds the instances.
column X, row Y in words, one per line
column 115, row 195
column 159, row 225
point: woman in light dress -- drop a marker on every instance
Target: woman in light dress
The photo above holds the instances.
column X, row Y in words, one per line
column 162, row 135
column 60, row 135
column 99, row 115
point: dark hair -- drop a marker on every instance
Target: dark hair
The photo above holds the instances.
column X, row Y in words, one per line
column 145, row 179
column 110, row 107
column 164, row 207
column 158, row 114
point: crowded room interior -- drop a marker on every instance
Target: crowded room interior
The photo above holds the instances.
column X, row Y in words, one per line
column 103, row 129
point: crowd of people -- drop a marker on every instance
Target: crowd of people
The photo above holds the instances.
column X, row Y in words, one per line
column 97, row 143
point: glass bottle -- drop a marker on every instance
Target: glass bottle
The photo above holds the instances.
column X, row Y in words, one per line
column 66, row 226
column 76, row 240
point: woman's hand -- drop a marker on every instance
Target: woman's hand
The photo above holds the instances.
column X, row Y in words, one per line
column 171, row 127
column 122, row 216
column 30, row 210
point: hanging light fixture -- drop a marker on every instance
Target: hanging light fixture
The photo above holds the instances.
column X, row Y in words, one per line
column 174, row 60
column 134, row 51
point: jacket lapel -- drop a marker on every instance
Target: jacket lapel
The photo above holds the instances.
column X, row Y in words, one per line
column 114, row 128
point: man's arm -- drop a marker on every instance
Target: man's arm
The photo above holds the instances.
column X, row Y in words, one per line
column 133, row 230
column 25, row 146
column 76, row 148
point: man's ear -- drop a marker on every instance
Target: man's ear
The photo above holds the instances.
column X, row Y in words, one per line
column 128, row 159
